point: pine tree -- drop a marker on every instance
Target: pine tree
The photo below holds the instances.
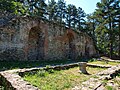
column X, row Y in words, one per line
column 61, row 7
column 52, row 10
column 106, row 15
column 80, row 18
column 71, row 14
column 12, row 6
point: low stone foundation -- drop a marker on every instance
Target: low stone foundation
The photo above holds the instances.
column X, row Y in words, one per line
column 109, row 60
column 12, row 79
column 97, row 83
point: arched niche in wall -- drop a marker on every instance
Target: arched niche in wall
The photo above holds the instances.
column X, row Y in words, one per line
column 70, row 51
column 87, row 50
column 36, row 42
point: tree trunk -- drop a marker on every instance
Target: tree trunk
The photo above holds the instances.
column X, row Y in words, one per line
column 119, row 40
column 111, row 38
column 69, row 22
column 111, row 47
column 79, row 26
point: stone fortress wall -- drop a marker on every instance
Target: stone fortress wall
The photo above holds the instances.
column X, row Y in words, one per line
column 31, row 38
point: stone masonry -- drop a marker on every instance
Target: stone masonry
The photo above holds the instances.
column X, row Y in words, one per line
column 31, row 38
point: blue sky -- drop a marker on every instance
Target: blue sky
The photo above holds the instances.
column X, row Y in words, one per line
column 87, row 5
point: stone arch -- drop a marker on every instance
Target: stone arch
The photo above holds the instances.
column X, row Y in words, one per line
column 70, row 53
column 86, row 51
column 87, row 54
column 36, row 39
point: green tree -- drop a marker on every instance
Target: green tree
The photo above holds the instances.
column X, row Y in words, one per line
column 74, row 17
column 41, row 7
column 71, row 14
column 12, row 6
column 35, row 7
column 116, row 25
column 80, row 18
column 52, row 10
column 91, row 25
column 106, row 30
column 61, row 7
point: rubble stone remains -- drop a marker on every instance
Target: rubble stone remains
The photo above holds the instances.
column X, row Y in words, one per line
column 31, row 38
column 82, row 67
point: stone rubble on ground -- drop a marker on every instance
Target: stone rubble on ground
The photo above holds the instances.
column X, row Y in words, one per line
column 12, row 80
column 98, row 82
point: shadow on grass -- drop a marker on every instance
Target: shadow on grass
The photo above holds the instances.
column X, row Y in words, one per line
column 6, row 65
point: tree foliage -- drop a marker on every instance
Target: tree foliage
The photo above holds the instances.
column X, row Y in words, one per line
column 11, row 6
column 107, row 30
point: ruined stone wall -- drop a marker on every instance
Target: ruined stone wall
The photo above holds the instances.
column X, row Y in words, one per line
column 28, row 38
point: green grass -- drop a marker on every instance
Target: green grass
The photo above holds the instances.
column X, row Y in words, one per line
column 104, row 63
column 109, row 88
column 59, row 80
column 5, row 65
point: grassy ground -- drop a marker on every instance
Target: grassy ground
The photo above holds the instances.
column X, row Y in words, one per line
column 104, row 63
column 54, row 80
column 60, row 80
column 5, row 65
